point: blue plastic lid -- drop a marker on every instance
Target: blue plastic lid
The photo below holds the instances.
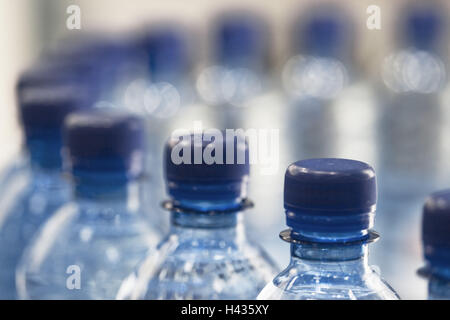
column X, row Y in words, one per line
column 42, row 109
column 423, row 26
column 108, row 54
column 241, row 38
column 105, row 141
column 108, row 57
column 323, row 32
column 46, row 73
column 330, row 195
column 167, row 52
column 91, row 62
column 192, row 173
column 436, row 227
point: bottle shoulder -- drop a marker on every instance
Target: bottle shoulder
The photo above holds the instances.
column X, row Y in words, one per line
column 196, row 269
column 212, row 245
column 27, row 203
column 104, row 251
column 68, row 234
column 298, row 282
column 19, row 164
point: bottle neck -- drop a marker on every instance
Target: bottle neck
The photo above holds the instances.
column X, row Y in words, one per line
column 207, row 223
column 107, row 190
column 208, row 229
column 333, row 257
column 47, row 178
column 203, row 220
column 44, row 154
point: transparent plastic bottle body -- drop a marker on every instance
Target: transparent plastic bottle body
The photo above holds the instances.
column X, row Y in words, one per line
column 409, row 108
column 27, row 201
column 85, row 250
column 18, row 165
column 436, row 244
column 235, row 80
column 438, row 288
column 329, row 272
column 203, row 257
column 437, row 277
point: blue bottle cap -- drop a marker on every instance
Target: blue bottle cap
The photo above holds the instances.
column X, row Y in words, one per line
column 104, row 141
column 323, row 32
column 91, row 62
column 108, row 57
column 47, row 73
column 241, row 40
column 423, row 26
column 436, row 228
column 167, row 52
column 330, row 195
column 108, row 54
column 42, row 109
column 191, row 173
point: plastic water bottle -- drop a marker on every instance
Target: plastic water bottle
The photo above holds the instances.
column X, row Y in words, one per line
column 17, row 165
column 329, row 108
column 237, row 75
column 206, row 254
column 166, row 97
column 166, row 89
column 323, row 87
column 411, row 105
column 111, row 62
column 34, row 187
column 414, row 76
column 61, row 68
column 91, row 243
column 330, row 211
column 436, row 244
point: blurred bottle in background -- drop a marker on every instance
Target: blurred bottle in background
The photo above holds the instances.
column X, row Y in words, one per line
column 409, row 133
column 112, row 64
column 436, row 245
column 35, row 186
column 166, row 91
column 313, row 78
column 206, row 254
column 53, row 70
column 113, row 61
column 238, row 68
column 91, row 243
column 330, row 210
column 413, row 77
column 165, row 97
column 331, row 107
